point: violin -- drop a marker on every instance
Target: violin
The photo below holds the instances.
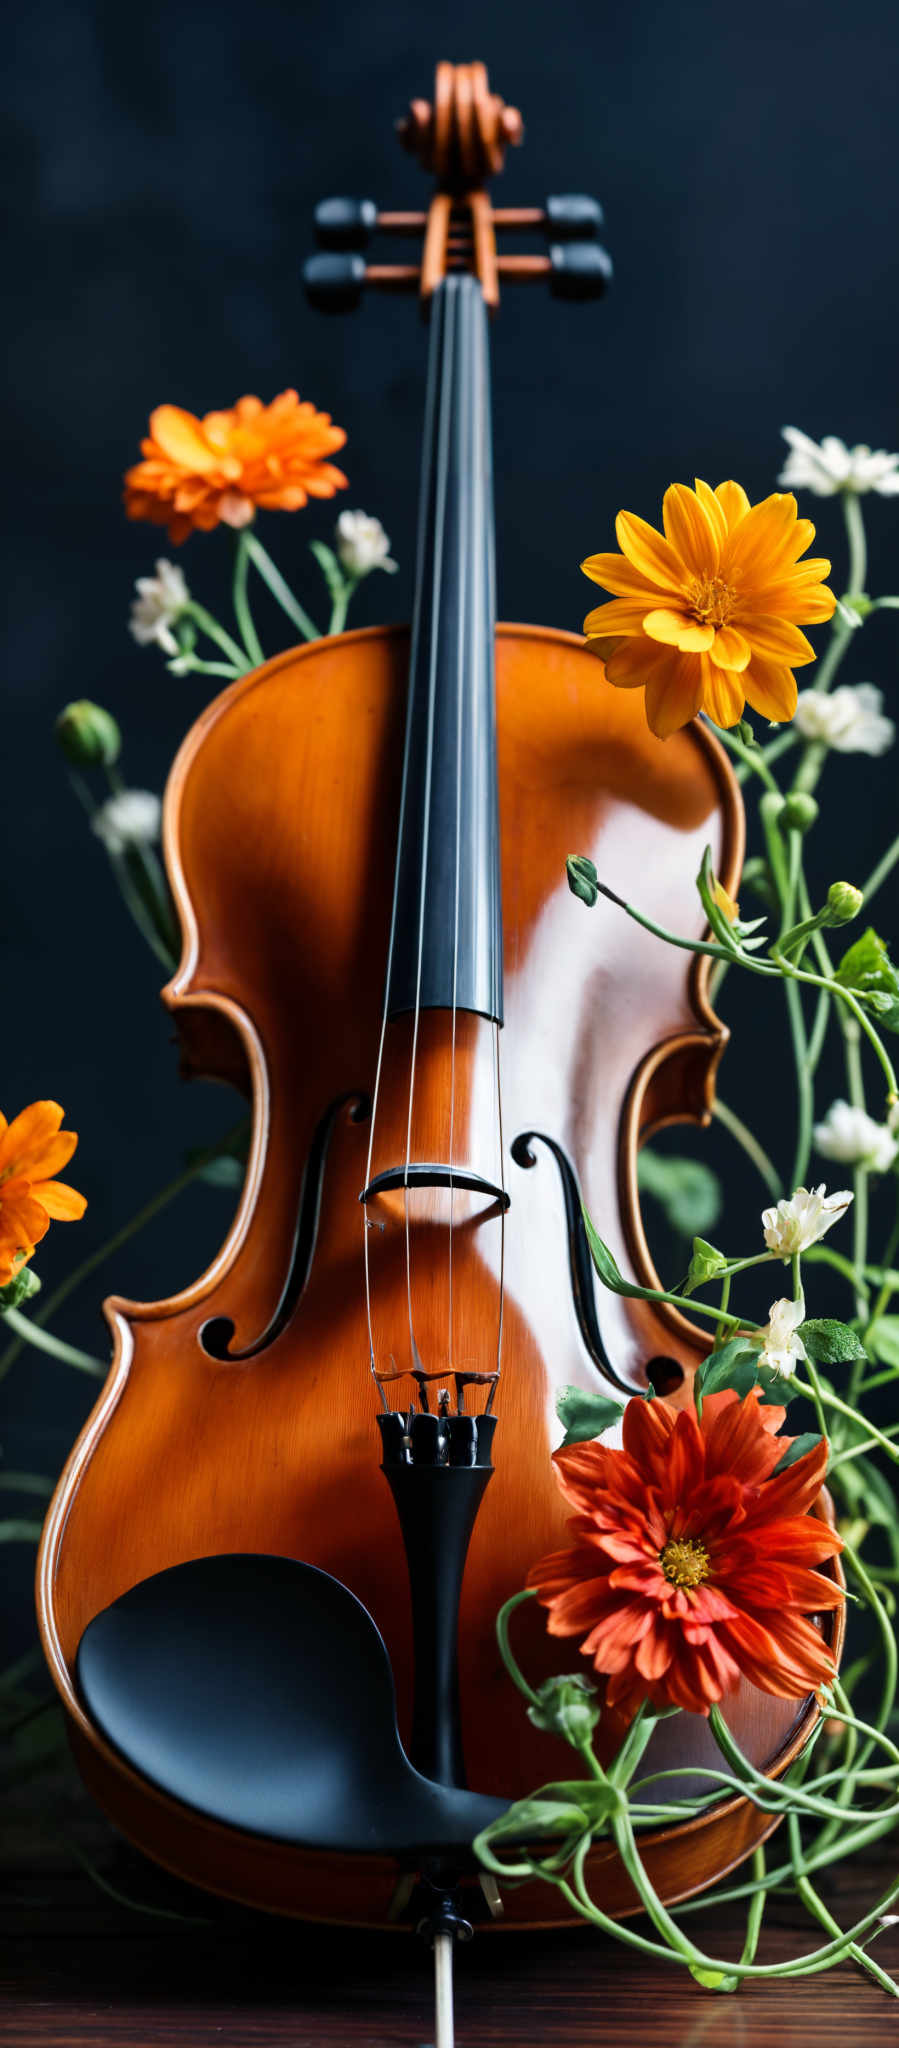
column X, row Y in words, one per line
column 316, row 1474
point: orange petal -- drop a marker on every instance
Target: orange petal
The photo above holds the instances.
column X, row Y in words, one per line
column 690, row 530
column 616, row 573
column 631, row 662
column 648, row 552
column 60, row 1202
column 677, row 629
column 722, row 701
column 620, row 615
column 733, row 501
column 673, row 692
column 712, row 508
column 29, row 1134
column 180, row 436
column 729, row 649
column 776, row 638
column 763, row 537
column 770, row 688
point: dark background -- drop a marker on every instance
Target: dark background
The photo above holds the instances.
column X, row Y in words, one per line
column 162, row 163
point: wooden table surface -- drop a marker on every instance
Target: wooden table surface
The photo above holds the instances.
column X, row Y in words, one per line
column 79, row 1968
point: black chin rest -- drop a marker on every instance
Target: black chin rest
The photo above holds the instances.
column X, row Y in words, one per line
column 259, row 1691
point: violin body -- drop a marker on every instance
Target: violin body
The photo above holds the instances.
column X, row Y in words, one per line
column 280, row 827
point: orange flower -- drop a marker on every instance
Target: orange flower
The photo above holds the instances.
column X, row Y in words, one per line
column 690, row 1563
column 198, row 472
column 708, row 614
column 32, row 1150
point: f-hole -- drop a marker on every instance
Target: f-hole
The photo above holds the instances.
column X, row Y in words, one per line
column 215, row 1336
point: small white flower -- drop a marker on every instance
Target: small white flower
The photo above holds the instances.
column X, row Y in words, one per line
column 828, row 466
column 362, row 544
column 782, row 1347
column 159, row 601
column 799, row 1222
column 848, row 719
column 853, row 1136
column 130, row 818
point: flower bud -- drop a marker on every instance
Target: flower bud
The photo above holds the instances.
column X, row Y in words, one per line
column 581, row 871
column 87, row 735
column 800, row 811
column 567, row 1707
column 844, row 902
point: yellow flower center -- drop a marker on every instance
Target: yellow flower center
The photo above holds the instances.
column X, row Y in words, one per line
column 713, row 601
column 685, row 1562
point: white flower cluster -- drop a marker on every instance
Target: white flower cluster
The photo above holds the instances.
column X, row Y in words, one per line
column 800, row 1221
column 160, row 599
column 851, row 1135
column 362, row 544
column 828, row 466
column 130, row 818
column 848, row 719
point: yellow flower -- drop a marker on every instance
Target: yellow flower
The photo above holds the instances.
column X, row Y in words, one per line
column 725, row 903
column 32, row 1150
column 707, row 615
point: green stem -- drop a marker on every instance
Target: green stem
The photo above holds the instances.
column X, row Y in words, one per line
column 30, row 1333
column 750, row 1145
column 887, row 1288
column 505, row 1648
column 135, row 1223
column 751, row 759
column 190, row 664
column 340, row 604
column 281, row 591
column 879, row 874
column 815, row 1904
column 210, row 626
column 241, row 601
column 858, row 548
column 831, row 1400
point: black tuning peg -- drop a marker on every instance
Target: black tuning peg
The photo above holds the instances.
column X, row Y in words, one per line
column 345, row 223
column 579, row 270
column 572, row 217
column 334, row 283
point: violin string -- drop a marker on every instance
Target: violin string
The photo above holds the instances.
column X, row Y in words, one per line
column 448, row 342
column 462, row 669
column 420, row 551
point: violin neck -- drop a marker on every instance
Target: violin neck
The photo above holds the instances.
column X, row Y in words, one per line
column 446, row 941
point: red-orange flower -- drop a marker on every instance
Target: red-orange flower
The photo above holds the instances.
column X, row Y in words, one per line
column 32, row 1150
column 691, row 1562
column 200, row 472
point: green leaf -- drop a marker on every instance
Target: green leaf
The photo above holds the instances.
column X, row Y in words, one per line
column 705, row 1263
column 330, row 568
column 585, row 1415
column 20, row 1288
column 868, row 969
column 689, row 1192
column 713, row 1980
column 883, row 1340
column 733, row 1365
column 797, row 1449
column 829, row 1342
column 862, row 1488
column 581, row 874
